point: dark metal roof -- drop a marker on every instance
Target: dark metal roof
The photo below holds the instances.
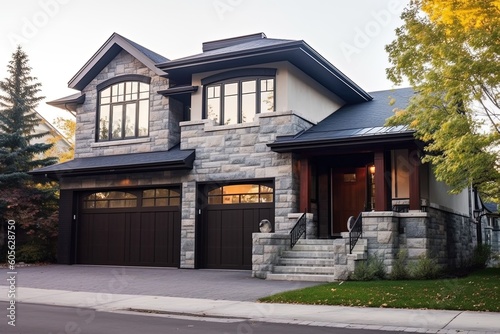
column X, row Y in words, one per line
column 356, row 123
column 178, row 90
column 155, row 57
column 109, row 50
column 266, row 50
column 138, row 162
column 69, row 103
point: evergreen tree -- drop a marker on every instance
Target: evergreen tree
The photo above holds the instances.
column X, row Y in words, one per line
column 18, row 100
column 31, row 204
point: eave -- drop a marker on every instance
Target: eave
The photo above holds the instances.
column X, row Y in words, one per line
column 299, row 53
column 388, row 140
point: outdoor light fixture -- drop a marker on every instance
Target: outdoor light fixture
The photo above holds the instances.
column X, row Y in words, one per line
column 477, row 214
column 371, row 169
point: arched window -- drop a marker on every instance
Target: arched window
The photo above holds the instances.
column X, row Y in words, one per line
column 110, row 199
column 241, row 193
column 237, row 96
column 123, row 109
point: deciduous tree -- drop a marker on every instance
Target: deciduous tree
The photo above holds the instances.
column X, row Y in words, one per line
column 449, row 52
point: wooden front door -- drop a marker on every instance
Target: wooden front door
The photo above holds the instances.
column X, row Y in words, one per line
column 349, row 197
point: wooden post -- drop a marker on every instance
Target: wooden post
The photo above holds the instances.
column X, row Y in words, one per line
column 305, row 185
column 414, row 182
column 381, row 186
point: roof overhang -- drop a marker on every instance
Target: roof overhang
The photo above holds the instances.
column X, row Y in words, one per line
column 286, row 145
column 175, row 159
column 113, row 46
column 69, row 103
column 299, row 53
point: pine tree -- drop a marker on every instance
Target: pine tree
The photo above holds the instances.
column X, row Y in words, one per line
column 18, row 100
column 30, row 203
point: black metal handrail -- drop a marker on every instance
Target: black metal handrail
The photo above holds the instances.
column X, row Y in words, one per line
column 298, row 230
column 355, row 231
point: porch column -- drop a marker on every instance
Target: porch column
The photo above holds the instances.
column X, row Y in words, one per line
column 305, row 185
column 382, row 190
column 414, row 182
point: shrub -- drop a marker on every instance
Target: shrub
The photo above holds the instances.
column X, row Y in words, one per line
column 35, row 252
column 425, row 268
column 370, row 269
column 399, row 268
column 482, row 254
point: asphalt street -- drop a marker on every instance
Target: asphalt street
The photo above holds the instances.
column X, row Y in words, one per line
column 38, row 319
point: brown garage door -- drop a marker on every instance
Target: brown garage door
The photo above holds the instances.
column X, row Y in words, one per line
column 137, row 227
column 231, row 216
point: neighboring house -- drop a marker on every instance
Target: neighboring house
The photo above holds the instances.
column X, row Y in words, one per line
column 54, row 136
column 178, row 161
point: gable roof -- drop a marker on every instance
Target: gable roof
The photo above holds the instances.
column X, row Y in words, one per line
column 109, row 50
column 258, row 49
column 362, row 122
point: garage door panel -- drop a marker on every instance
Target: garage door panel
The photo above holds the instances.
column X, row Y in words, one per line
column 147, row 243
column 99, row 235
column 116, row 238
column 213, row 238
column 231, row 238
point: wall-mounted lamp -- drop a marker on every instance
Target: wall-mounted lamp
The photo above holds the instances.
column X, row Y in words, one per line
column 371, row 169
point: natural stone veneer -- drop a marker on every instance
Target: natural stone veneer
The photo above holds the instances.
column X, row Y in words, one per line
column 223, row 153
column 164, row 117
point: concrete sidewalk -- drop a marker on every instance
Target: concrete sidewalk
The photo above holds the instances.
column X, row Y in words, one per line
column 429, row 321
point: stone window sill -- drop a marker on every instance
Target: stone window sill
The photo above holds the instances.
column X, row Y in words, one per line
column 120, row 142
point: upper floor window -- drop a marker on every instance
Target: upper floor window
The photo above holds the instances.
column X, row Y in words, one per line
column 123, row 111
column 237, row 96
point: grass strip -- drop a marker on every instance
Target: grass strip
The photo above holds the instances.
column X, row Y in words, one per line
column 477, row 292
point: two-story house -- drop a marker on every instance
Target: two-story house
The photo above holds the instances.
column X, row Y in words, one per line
column 178, row 161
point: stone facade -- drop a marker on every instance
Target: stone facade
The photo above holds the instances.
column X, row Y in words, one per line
column 163, row 118
column 447, row 237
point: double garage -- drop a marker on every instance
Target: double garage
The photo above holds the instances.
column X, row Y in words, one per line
column 142, row 227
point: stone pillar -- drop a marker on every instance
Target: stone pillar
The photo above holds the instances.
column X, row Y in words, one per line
column 266, row 251
column 188, row 218
column 381, row 231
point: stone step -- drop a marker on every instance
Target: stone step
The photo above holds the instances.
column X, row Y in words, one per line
column 313, row 248
column 315, row 242
column 309, row 262
column 306, row 254
column 301, row 277
column 302, row 270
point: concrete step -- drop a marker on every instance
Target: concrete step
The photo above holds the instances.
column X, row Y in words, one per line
column 307, row 254
column 302, row 270
column 313, row 248
column 300, row 277
column 309, row 262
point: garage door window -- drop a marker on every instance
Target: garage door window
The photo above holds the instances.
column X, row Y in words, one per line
column 110, row 199
column 160, row 197
column 241, row 193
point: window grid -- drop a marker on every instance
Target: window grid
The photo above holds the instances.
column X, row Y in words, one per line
column 160, row 197
column 238, row 101
column 123, row 111
column 242, row 193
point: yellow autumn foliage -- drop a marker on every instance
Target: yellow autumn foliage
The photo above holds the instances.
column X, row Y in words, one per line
column 469, row 14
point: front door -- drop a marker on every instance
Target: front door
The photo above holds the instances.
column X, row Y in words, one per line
column 348, row 196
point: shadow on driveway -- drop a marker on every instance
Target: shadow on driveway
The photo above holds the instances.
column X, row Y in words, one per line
column 187, row 283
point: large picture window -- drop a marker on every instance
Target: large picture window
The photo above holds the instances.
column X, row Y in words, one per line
column 239, row 100
column 123, row 111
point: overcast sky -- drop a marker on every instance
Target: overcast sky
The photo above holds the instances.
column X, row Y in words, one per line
column 59, row 36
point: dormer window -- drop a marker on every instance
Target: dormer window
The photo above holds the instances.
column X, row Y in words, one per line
column 233, row 100
column 123, row 109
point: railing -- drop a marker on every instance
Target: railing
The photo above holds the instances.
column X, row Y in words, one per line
column 355, row 230
column 298, row 230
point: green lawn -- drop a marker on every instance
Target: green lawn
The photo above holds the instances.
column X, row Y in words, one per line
column 479, row 291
